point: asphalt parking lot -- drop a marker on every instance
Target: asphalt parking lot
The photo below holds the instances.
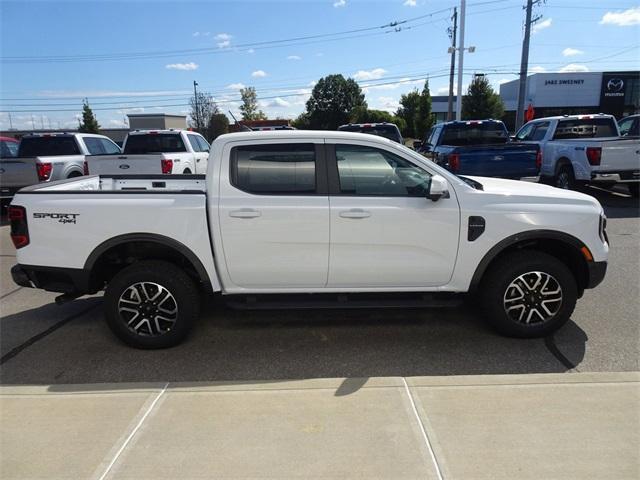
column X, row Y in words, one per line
column 45, row 344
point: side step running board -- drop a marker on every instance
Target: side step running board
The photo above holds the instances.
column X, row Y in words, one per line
column 340, row 300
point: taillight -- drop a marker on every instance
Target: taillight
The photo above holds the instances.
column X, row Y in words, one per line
column 593, row 155
column 454, row 162
column 19, row 230
column 44, row 171
column 85, row 167
column 167, row 166
column 539, row 159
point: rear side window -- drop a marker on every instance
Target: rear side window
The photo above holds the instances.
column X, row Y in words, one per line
column 585, row 128
column 193, row 140
column 204, row 146
column 47, row 146
column 109, row 147
column 459, row 135
column 8, row 149
column 154, row 143
column 94, row 145
column 629, row 127
column 276, row 169
column 370, row 171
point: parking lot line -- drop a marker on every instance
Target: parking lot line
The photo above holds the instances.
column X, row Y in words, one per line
column 424, row 432
column 133, row 432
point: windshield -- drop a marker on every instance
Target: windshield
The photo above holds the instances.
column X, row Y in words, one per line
column 48, row 146
column 459, row 135
column 587, row 127
column 154, row 143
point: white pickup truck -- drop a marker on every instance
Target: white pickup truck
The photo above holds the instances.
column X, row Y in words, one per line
column 584, row 149
column 155, row 152
column 316, row 213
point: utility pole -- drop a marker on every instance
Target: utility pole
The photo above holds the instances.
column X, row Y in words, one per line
column 10, row 122
column 463, row 5
column 452, row 34
column 524, row 62
column 33, row 123
column 195, row 96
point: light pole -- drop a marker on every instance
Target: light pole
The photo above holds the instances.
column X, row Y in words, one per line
column 195, row 96
column 461, row 50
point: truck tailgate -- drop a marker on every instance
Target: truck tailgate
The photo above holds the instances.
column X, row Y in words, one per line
column 619, row 155
column 504, row 161
column 149, row 164
column 16, row 173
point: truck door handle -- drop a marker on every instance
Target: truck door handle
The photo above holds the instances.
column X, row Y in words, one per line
column 245, row 213
column 355, row 213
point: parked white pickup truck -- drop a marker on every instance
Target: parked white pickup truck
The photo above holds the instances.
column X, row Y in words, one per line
column 584, row 148
column 313, row 213
column 155, row 152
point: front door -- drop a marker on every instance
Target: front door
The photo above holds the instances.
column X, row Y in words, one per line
column 274, row 215
column 384, row 231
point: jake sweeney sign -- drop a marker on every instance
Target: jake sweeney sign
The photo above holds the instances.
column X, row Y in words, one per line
column 565, row 81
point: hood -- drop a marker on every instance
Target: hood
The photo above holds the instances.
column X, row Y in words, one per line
column 534, row 192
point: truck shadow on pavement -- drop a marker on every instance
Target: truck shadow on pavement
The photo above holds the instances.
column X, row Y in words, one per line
column 266, row 346
column 617, row 202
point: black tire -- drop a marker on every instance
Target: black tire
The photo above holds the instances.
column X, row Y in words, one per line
column 74, row 175
column 498, row 285
column 131, row 289
column 634, row 189
column 565, row 178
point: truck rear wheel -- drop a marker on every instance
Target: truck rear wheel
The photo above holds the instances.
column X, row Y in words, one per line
column 565, row 178
column 151, row 304
column 528, row 294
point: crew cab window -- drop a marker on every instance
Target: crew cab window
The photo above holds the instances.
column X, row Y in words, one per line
column 526, row 132
column 474, row 133
column 204, row 145
column 154, row 143
column 274, row 169
column 109, row 147
column 94, row 145
column 8, row 149
column 629, row 127
column 539, row 131
column 372, row 171
column 193, row 140
column 585, row 128
column 48, row 146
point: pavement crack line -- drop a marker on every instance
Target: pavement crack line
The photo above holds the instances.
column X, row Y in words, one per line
column 133, row 432
column 15, row 351
column 9, row 293
column 422, row 429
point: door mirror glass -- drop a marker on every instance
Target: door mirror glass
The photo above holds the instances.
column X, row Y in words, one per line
column 439, row 188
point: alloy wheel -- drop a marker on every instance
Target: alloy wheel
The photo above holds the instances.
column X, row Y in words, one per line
column 533, row 298
column 148, row 309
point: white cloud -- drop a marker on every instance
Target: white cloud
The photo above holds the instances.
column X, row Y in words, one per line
column 542, row 25
column 108, row 93
column 339, row 3
column 259, row 74
column 369, row 74
column 223, row 40
column 204, row 34
column 537, row 69
column 503, row 80
column 294, row 57
column 389, row 104
column 625, row 18
column 251, row 50
column 410, row 3
column 277, row 103
column 235, row 86
column 182, row 66
column 571, row 52
column 118, row 123
column 574, row 67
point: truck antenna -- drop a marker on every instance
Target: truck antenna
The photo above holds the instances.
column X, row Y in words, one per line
column 244, row 127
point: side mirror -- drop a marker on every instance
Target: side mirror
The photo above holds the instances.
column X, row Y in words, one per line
column 417, row 144
column 438, row 189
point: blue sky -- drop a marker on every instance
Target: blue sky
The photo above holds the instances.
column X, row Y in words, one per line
column 571, row 35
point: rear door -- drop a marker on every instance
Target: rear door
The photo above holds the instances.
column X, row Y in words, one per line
column 274, row 214
column 385, row 233
column 200, row 152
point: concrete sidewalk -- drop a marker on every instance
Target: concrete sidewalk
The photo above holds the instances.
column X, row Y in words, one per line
column 579, row 425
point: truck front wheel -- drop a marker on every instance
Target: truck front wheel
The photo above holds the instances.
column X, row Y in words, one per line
column 528, row 294
column 151, row 304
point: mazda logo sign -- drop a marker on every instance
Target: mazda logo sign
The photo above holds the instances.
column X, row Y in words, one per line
column 615, row 85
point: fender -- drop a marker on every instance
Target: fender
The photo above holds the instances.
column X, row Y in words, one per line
column 501, row 246
column 150, row 237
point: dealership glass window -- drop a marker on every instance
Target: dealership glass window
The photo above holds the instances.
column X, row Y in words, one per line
column 372, row 171
column 275, row 169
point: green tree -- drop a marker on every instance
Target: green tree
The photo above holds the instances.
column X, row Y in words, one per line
column 408, row 111
column 203, row 107
column 89, row 123
column 364, row 115
column 218, row 125
column 249, row 107
column 424, row 117
column 302, row 122
column 332, row 100
column 481, row 101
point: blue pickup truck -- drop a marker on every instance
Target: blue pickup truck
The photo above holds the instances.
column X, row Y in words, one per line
column 482, row 148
